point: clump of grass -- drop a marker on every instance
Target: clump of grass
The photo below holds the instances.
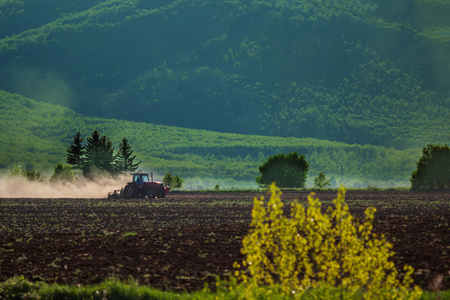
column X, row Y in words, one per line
column 129, row 234
column 20, row 288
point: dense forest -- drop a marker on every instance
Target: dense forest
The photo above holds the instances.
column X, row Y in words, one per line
column 36, row 136
column 355, row 71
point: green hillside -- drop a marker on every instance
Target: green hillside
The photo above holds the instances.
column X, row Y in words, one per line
column 36, row 136
column 355, row 71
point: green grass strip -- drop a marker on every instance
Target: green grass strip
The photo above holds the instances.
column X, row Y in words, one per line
column 20, row 288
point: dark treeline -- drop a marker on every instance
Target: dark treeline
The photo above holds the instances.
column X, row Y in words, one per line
column 97, row 156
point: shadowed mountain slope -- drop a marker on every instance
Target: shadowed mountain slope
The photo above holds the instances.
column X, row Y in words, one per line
column 357, row 71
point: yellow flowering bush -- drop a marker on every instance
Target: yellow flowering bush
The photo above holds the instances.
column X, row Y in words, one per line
column 309, row 249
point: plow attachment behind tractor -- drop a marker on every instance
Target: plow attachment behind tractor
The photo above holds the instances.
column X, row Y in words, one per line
column 117, row 194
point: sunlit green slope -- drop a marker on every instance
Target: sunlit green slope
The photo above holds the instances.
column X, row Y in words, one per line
column 356, row 71
column 36, row 135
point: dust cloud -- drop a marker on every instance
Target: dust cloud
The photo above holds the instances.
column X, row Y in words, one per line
column 20, row 187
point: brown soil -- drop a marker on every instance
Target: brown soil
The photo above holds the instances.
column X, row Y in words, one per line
column 187, row 239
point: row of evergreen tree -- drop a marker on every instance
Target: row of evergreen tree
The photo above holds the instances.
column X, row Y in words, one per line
column 97, row 154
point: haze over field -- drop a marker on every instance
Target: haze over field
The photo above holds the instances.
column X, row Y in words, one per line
column 360, row 72
column 83, row 188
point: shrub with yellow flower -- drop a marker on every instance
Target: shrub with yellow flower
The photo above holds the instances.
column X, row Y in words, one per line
column 310, row 249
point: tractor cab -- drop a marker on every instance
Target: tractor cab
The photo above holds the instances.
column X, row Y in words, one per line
column 140, row 178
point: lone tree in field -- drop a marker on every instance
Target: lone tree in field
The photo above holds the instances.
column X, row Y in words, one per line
column 124, row 160
column 287, row 170
column 433, row 169
column 174, row 182
column 75, row 153
column 321, row 182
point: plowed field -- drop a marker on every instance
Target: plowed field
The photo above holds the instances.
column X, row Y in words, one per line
column 184, row 241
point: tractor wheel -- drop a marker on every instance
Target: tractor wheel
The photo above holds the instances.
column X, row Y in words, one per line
column 150, row 193
column 130, row 191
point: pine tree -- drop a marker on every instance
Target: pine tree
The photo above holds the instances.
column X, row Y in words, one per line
column 93, row 152
column 99, row 154
column 107, row 158
column 124, row 160
column 75, row 153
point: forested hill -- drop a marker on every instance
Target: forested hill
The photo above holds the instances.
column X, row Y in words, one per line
column 358, row 71
column 36, row 135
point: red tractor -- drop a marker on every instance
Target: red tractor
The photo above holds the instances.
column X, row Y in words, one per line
column 141, row 186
